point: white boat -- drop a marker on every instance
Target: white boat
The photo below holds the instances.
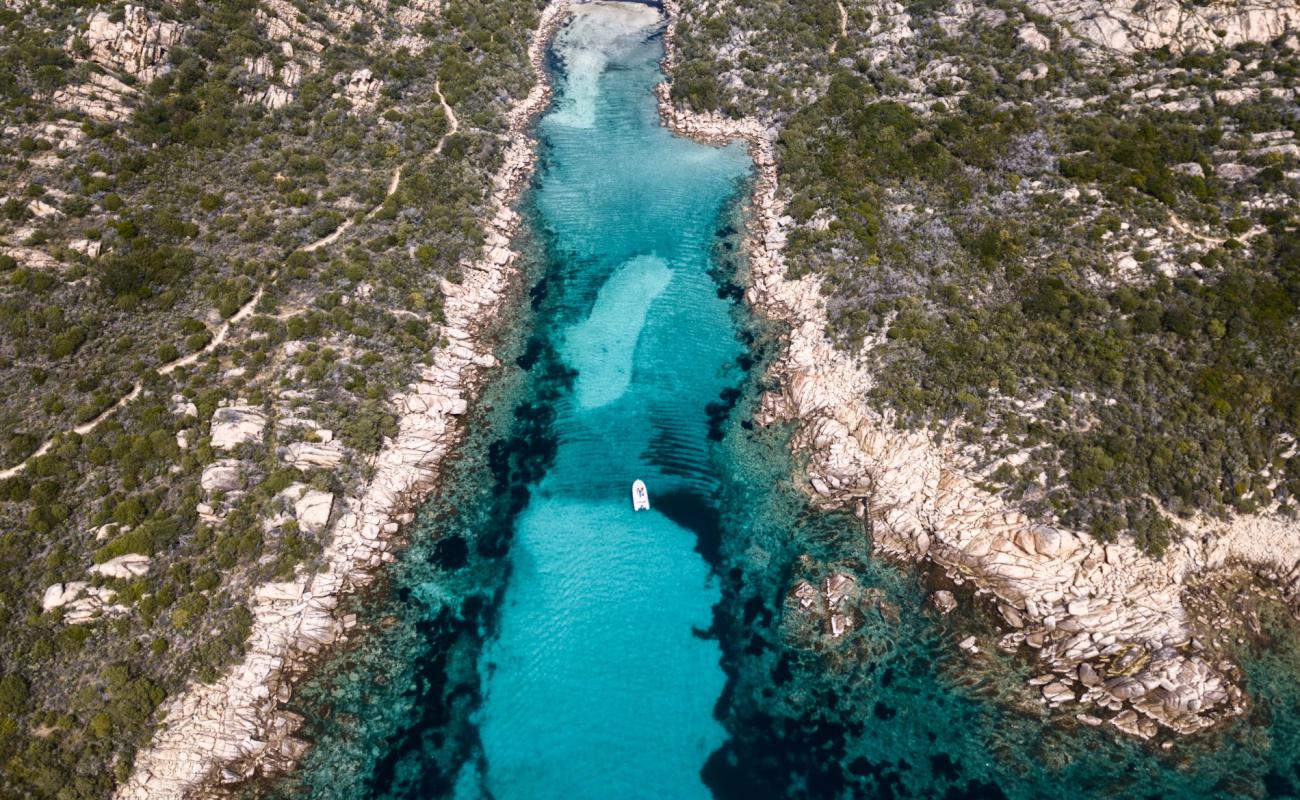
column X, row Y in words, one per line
column 640, row 497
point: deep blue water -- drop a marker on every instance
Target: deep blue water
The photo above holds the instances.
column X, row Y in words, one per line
column 540, row 639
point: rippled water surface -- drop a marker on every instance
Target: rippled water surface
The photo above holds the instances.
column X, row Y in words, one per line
column 541, row 639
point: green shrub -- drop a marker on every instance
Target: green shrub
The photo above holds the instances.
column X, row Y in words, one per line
column 14, row 694
column 67, row 342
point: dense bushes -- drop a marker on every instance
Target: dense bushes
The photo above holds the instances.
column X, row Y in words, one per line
column 945, row 227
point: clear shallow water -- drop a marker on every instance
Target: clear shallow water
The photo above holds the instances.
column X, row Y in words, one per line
column 595, row 662
column 540, row 639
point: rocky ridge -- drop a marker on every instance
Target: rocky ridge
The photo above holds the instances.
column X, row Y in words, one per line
column 1130, row 26
column 233, row 728
column 1106, row 621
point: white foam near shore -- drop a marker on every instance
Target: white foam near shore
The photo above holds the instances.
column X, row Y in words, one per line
column 585, row 48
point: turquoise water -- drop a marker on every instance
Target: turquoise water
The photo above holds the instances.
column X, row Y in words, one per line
column 540, row 639
column 595, row 661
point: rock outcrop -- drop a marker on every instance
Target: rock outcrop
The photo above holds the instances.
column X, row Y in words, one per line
column 139, row 45
column 228, row 729
column 131, row 565
column 237, row 424
column 361, row 89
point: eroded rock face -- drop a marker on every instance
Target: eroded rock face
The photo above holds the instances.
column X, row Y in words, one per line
column 102, row 97
column 275, row 89
column 140, row 45
column 1132, row 25
column 307, row 455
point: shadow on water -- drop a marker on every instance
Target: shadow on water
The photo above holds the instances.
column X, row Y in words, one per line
column 697, row 513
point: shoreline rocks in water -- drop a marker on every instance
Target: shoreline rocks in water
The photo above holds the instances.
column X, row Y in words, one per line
column 1107, row 620
column 234, row 728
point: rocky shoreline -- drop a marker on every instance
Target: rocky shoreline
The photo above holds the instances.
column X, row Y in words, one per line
column 236, row 728
column 1106, row 623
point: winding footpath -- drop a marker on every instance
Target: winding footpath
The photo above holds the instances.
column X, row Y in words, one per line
column 245, row 311
column 844, row 26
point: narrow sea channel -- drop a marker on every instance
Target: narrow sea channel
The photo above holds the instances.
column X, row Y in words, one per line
column 540, row 639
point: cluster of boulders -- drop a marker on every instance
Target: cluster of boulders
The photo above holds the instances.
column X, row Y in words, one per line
column 80, row 602
column 1131, row 25
column 226, row 730
column 835, row 603
column 301, row 39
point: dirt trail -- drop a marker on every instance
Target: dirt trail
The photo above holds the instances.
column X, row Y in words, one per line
column 844, row 26
column 223, row 331
column 452, row 122
column 246, row 310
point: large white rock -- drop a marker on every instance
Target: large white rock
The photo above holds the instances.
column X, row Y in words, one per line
column 313, row 510
column 1032, row 38
column 131, row 565
column 223, row 476
column 237, row 424
column 60, row 594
